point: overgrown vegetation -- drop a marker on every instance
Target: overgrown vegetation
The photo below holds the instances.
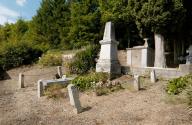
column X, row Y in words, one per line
column 84, row 60
column 181, row 85
column 88, row 81
column 55, row 91
column 16, row 54
column 51, row 58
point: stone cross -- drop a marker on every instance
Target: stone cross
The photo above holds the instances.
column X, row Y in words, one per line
column 137, row 82
column 39, row 88
column 153, row 76
column 189, row 57
column 74, row 98
column 108, row 60
column 21, row 81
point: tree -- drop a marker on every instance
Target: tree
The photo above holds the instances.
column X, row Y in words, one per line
column 85, row 23
column 161, row 17
column 50, row 25
column 117, row 12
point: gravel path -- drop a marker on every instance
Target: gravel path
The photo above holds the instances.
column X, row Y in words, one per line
column 125, row 107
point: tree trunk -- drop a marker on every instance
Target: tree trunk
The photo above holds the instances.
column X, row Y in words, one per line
column 175, row 52
column 160, row 60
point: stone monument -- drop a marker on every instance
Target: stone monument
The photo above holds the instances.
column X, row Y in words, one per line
column 108, row 60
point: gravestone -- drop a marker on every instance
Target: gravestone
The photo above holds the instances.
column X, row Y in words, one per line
column 59, row 71
column 153, row 76
column 21, row 81
column 189, row 57
column 74, row 98
column 136, row 83
column 39, row 88
column 108, row 60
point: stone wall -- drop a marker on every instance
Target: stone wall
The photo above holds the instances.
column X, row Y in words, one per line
column 140, row 57
column 165, row 73
column 122, row 57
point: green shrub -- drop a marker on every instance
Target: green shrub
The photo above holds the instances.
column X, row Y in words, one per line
column 88, row 81
column 176, row 86
column 189, row 95
column 16, row 54
column 83, row 60
column 51, row 59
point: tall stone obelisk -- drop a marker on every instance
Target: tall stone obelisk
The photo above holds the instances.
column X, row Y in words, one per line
column 108, row 60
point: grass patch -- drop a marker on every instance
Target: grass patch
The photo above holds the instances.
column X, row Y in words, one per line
column 55, row 91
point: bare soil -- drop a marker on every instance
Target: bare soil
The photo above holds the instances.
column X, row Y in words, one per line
column 125, row 107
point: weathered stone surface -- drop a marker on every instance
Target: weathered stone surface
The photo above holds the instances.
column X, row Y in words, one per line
column 153, row 76
column 39, row 88
column 137, row 82
column 108, row 60
column 189, row 57
column 186, row 68
column 74, row 98
column 160, row 60
column 21, row 81
column 59, row 71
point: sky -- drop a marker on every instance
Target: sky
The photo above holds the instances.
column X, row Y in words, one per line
column 11, row 10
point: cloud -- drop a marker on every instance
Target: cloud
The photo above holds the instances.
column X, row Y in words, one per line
column 21, row 2
column 7, row 15
column 4, row 19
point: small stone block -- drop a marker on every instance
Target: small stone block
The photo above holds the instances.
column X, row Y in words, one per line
column 153, row 76
column 136, row 82
column 21, row 81
column 39, row 88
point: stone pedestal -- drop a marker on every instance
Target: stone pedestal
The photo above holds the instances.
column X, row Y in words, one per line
column 108, row 61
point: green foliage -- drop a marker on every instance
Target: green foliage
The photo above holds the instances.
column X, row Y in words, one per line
column 177, row 85
column 51, row 58
column 88, row 81
column 189, row 95
column 55, row 91
column 16, row 54
column 85, row 23
column 160, row 16
column 83, row 60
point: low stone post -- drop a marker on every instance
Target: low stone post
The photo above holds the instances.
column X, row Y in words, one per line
column 21, row 80
column 153, row 76
column 136, row 82
column 39, row 88
column 59, row 71
column 74, row 98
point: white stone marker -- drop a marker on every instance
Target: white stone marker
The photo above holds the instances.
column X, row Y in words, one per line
column 59, row 71
column 74, row 98
column 136, row 82
column 21, row 81
column 108, row 60
column 153, row 76
column 39, row 88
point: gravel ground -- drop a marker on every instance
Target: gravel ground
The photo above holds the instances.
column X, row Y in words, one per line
column 125, row 107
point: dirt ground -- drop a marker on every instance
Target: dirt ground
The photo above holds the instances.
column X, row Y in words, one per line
column 125, row 107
